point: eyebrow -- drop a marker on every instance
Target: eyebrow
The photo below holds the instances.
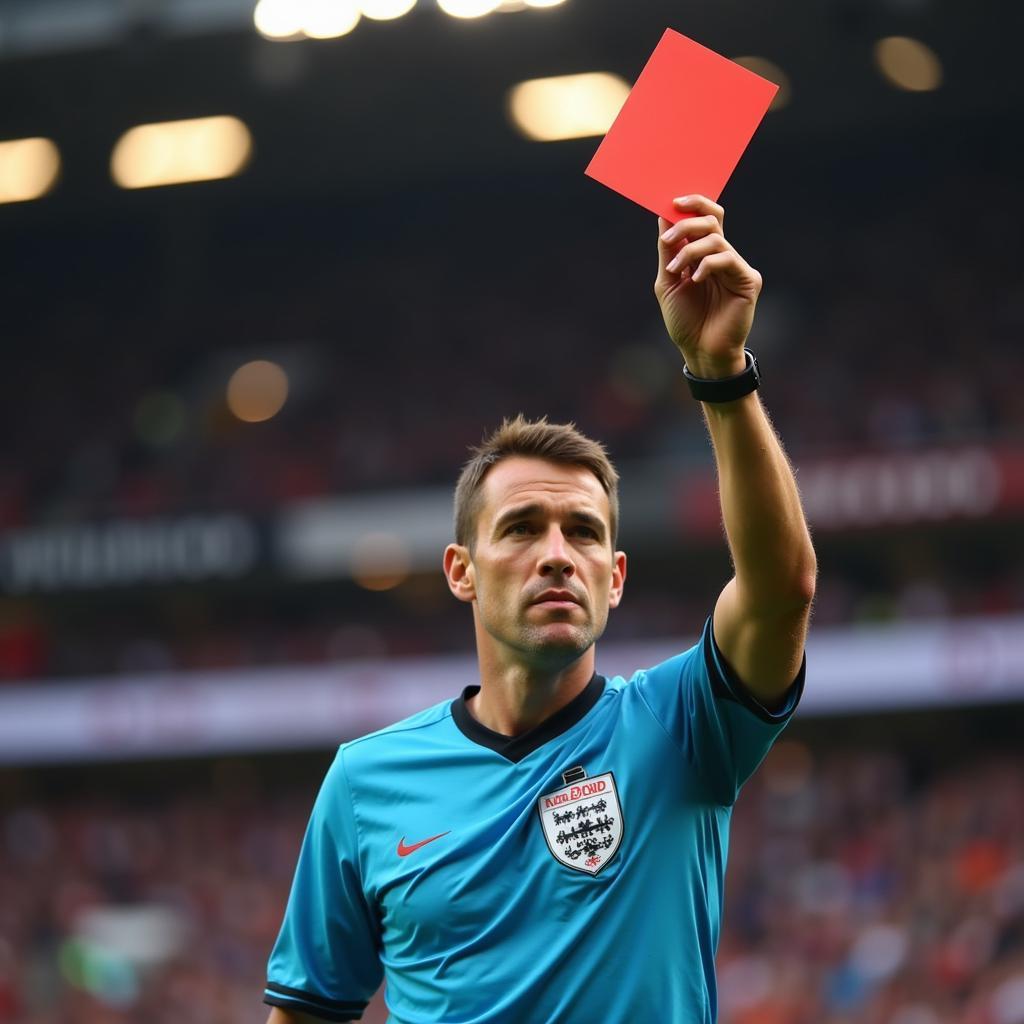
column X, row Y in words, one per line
column 532, row 511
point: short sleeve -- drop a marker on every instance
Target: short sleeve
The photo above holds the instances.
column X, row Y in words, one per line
column 720, row 727
column 326, row 960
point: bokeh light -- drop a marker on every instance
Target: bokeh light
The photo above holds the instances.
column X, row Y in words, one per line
column 380, row 561
column 176, row 152
column 385, row 10
column 278, row 19
column 329, row 19
column 28, row 169
column 109, row 977
column 313, row 19
column 468, row 8
column 908, row 63
column 567, row 106
column 770, row 70
column 257, row 391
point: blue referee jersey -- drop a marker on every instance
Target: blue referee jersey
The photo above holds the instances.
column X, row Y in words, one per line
column 567, row 875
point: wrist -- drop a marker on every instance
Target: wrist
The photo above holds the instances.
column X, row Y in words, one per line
column 715, row 367
column 725, row 389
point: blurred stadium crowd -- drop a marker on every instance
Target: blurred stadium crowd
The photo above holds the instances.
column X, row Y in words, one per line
column 861, row 890
column 901, row 338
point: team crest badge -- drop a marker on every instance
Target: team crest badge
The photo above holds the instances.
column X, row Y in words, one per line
column 582, row 821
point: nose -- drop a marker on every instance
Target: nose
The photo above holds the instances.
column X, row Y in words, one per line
column 556, row 556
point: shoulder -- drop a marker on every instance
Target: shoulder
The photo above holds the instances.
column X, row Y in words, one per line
column 432, row 716
column 401, row 741
column 664, row 659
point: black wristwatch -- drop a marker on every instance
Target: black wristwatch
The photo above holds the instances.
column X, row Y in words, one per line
column 725, row 389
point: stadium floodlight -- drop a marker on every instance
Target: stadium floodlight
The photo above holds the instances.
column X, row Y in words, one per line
column 176, row 152
column 28, row 169
column 567, row 106
column 908, row 63
column 770, row 70
column 257, row 391
column 514, row 6
column 313, row 19
column 278, row 19
column 468, row 8
column 385, row 10
column 328, row 19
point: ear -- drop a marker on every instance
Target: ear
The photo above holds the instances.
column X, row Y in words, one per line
column 458, row 571
column 618, row 579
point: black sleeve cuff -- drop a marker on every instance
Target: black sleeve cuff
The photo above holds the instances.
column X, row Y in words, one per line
column 727, row 685
column 314, row 1005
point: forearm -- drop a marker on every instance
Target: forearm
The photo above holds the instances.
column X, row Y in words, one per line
column 707, row 293
column 764, row 522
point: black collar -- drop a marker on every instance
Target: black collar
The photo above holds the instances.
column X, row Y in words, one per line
column 515, row 748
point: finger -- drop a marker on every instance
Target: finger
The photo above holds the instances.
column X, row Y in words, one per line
column 665, row 252
column 663, row 226
column 731, row 269
column 665, row 229
column 697, row 205
column 693, row 252
column 690, row 230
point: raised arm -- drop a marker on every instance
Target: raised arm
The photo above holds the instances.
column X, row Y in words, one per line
column 707, row 293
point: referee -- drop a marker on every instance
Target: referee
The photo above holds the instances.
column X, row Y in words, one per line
column 550, row 846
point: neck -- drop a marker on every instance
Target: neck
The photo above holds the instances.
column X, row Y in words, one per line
column 515, row 697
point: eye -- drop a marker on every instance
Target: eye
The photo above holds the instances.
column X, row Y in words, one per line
column 589, row 531
column 519, row 528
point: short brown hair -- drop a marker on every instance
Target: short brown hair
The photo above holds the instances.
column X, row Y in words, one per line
column 557, row 442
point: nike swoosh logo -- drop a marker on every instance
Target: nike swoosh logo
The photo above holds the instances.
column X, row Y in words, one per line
column 404, row 851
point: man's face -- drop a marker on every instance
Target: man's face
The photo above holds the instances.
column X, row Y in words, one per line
column 542, row 576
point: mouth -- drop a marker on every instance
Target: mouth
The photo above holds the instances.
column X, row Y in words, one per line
column 559, row 600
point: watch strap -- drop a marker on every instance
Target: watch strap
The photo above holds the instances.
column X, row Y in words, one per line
column 725, row 389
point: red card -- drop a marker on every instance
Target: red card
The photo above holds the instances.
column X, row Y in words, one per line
column 683, row 128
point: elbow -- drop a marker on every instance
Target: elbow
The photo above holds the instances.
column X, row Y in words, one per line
column 805, row 593
column 781, row 587
column 795, row 598
column 806, row 580
column 779, row 596
column 796, row 594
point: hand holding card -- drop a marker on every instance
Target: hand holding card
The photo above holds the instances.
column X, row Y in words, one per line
column 683, row 128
